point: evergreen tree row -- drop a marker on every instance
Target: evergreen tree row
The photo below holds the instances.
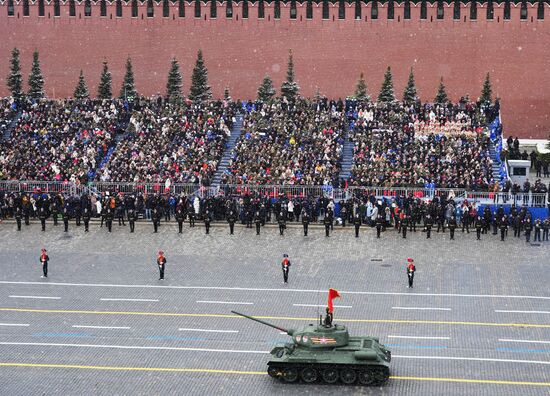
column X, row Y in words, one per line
column 200, row 90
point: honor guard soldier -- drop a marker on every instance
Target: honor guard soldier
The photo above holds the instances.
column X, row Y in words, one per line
column 305, row 221
column 44, row 261
column 479, row 226
column 109, row 217
column 428, row 223
column 42, row 216
column 282, row 223
column 452, row 226
column 155, row 217
column 18, row 217
column 66, row 219
column 285, row 264
column 231, row 219
column 545, row 229
column 327, row 223
column 55, row 211
column 528, row 227
column 192, row 217
column 161, row 262
column 503, row 227
column 517, row 226
column 180, row 216
column 357, row 223
column 86, row 218
column 379, row 224
column 207, row 221
column 403, row 223
column 132, row 217
column 344, row 214
column 77, row 214
column 538, row 229
column 258, row 222
column 411, row 269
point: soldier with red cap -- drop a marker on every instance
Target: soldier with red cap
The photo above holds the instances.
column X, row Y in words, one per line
column 161, row 262
column 44, row 258
column 285, row 264
column 410, row 271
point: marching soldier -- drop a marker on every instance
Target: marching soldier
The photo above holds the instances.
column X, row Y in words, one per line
column 357, row 223
column 77, row 214
column 403, row 224
column 66, row 219
column 285, row 264
column 379, row 224
column 180, row 216
column 155, row 217
column 452, row 226
column 282, row 223
column 55, row 211
column 231, row 219
column 344, row 214
column 258, row 222
column 109, row 217
column 503, row 227
column 161, row 262
column 327, row 221
column 18, row 217
column 479, row 226
column 42, row 216
column 192, row 217
column 86, row 219
column 44, row 258
column 428, row 223
column 411, row 269
column 207, row 221
column 305, row 221
column 132, row 217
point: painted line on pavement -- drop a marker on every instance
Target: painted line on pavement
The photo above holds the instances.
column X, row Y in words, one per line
column 128, row 299
column 101, row 327
column 529, row 312
column 472, row 359
column 45, row 334
column 416, row 346
column 321, row 305
column 226, row 302
column 211, row 331
column 304, row 319
column 526, row 341
column 37, row 297
column 523, row 350
column 409, row 294
column 420, row 337
column 15, row 324
column 422, row 308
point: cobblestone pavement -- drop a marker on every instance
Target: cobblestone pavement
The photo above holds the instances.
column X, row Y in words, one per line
column 476, row 321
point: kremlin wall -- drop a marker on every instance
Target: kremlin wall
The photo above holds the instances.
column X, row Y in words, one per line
column 329, row 53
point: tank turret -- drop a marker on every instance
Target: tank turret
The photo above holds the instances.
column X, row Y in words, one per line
column 326, row 352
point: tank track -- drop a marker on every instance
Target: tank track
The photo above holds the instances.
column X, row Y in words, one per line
column 326, row 373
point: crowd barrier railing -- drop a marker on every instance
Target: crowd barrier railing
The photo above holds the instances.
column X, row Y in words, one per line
column 276, row 191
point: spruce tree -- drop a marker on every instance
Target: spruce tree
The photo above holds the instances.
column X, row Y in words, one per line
column 81, row 90
column 36, row 81
column 441, row 96
column 266, row 91
column 104, row 90
column 290, row 88
column 409, row 95
column 15, row 78
column 487, row 91
column 361, row 89
column 128, row 89
column 227, row 94
column 386, row 91
column 174, row 84
column 200, row 90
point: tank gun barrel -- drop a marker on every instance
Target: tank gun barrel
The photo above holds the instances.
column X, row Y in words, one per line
column 262, row 322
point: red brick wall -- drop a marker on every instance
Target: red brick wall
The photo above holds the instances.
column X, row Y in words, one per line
column 329, row 54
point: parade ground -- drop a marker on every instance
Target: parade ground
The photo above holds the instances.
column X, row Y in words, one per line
column 476, row 322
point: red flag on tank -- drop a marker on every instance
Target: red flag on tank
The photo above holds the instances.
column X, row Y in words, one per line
column 332, row 294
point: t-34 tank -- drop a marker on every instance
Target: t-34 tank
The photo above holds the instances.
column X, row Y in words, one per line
column 327, row 353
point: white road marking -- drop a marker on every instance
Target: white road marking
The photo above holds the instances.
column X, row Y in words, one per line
column 15, row 324
column 101, row 327
column 526, row 341
column 423, row 308
column 367, row 293
column 458, row 358
column 211, row 331
column 547, row 362
column 535, row 312
column 133, row 347
column 322, row 306
column 129, row 299
column 37, row 297
column 420, row 337
column 226, row 302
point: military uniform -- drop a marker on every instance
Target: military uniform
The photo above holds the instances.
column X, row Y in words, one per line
column 327, row 222
column 479, row 226
column 44, row 258
column 18, row 217
column 42, row 216
column 428, row 223
column 528, row 227
column 452, row 227
column 545, row 229
column 86, row 218
column 305, row 222
column 379, row 224
column 155, row 217
column 538, row 229
column 180, row 216
column 132, row 217
column 411, row 269
column 258, row 222
column 503, row 225
column 357, row 224
column 231, row 219
column 285, row 265
column 161, row 262
column 66, row 219
column 109, row 217
column 403, row 225
column 207, row 221
column 282, row 223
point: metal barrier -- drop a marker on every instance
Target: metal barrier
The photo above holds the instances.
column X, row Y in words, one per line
column 276, row 191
